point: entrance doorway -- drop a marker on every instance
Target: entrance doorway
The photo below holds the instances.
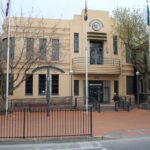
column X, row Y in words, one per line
column 96, row 90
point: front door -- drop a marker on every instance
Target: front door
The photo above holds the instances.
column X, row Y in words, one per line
column 95, row 91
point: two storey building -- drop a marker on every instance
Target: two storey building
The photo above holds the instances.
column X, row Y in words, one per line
column 60, row 44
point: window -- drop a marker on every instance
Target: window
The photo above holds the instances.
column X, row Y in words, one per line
column 55, row 84
column 128, row 53
column 76, row 42
column 42, row 54
column 115, row 44
column 55, row 49
column 130, row 83
column 29, row 47
column 29, row 84
column 116, row 86
column 42, row 84
column 96, row 52
column 12, row 45
column 4, row 48
column 76, row 87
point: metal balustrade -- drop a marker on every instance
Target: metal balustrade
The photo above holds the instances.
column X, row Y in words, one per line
column 37, row 123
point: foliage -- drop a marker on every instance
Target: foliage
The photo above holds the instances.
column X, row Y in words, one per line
column 130, row 26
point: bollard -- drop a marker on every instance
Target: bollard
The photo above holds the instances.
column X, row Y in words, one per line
column 98, row 107
column 75, row 103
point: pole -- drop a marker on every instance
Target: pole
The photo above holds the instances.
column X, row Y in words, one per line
column 48, row 88
column 137, row 86
column 86, row 72
column 86, row 56
column 71, row 86
column 8, row 52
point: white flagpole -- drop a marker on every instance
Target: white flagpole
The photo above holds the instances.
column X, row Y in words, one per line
column 8, row 52
column 86, row 57
column 86, row 72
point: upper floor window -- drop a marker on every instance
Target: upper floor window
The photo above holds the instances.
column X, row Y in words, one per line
column 55, row 49
column 76, row 42
column 4, row 48
column 29, row 84
column 115, row 44
column 42, row 47
column 128, row 53
column 29, row 47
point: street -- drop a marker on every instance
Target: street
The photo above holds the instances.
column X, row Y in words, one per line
column 117, row 144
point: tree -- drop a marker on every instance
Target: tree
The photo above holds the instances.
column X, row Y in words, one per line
column 130, row 26
column 33, row 43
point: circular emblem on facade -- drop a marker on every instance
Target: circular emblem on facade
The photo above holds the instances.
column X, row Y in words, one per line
column 96, row 25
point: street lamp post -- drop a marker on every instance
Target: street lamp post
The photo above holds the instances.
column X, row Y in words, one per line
column 137, row 86
column 71, row 72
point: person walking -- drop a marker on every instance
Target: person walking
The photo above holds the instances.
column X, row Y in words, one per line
column 116, row 100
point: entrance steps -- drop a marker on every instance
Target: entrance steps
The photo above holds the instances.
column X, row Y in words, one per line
column 107, row 107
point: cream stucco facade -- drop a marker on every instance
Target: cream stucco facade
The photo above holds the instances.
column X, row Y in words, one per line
column 105, row 67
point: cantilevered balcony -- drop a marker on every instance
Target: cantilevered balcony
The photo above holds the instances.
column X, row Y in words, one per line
column 105, row 66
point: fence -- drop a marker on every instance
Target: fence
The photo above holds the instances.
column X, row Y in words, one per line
column 56, row 122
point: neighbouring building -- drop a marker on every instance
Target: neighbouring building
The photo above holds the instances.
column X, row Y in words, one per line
column 61, row 44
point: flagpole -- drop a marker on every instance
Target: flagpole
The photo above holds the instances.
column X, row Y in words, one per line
column 86, row 57
column 8, row 52
column 86, row 72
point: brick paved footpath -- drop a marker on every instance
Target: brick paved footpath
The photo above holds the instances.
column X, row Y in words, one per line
column 121, row 123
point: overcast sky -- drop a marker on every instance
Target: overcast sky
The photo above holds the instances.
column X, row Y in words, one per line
column 65, row 9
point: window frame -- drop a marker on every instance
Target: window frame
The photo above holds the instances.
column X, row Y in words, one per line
column 55, row 49
column 115, row 45
column 42, row 48
column 55, row 84
column 76, row 42
column 30, row 82
column 76, row 87
column 29, row 47
column 129, row 85
column 41, row 84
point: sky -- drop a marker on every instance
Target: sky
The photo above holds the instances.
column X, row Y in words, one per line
column 66, row 9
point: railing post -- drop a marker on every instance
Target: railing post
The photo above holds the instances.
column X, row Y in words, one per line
column 91, row 131
column 24, row 119
column 76, row 102
column 99, row 107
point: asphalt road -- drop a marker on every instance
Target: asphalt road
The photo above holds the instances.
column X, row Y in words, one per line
column 118, row 144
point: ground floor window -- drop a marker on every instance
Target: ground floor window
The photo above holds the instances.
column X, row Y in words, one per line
column 76, row 87
column 116, row 86
column 130, row 84
column 55, row 84
column 42, row 84
column 29, row 84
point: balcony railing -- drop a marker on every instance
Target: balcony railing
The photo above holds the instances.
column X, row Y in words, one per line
column 106, row 66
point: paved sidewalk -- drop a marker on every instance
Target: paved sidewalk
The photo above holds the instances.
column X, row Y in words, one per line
column 122, row 123
column 129, row 133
